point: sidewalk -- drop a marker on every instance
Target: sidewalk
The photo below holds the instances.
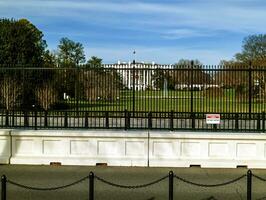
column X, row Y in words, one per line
column 53, row 176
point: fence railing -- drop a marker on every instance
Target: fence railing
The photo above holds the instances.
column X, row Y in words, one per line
column 5, row 182
column 244, row 122
column 42, row 94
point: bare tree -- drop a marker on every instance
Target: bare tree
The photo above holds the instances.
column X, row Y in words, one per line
column 46, row 96
column 10, row 91
column 100, row 84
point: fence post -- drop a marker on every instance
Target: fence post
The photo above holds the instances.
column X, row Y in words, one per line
column 65, row 120
column 193, row 120
column 127, row 120
column 263, row 122
column 3, row 187
column 258, row 122
column 249, row 185
column 13, row 118
column 172, row 120
column 91, row 186
column 150, row 120
column 26, row 119
column 171, row 185
column 86, row 120
column 106, row 119
column 191, row 87
column 250, row 89
column 35, row 119
column 134, row 85
column 45, row 118
column 7, row 121
column 236, row 121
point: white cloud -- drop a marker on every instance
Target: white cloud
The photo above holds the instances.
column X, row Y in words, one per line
column 237, row 16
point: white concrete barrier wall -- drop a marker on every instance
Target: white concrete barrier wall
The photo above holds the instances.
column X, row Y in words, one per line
column 5, row 146
column 134, row 148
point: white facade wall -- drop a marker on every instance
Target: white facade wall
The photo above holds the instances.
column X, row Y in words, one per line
column 133, row 148
column 143, row 74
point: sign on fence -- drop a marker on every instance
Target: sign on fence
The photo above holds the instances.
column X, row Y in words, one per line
column 213, row 118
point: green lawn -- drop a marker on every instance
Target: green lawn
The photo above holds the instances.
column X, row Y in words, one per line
column 178, row 101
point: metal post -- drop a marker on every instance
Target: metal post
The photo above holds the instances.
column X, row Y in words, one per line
column 65, row 120
column 26, row 119
column 150, row 120
column 263, row 122
column 106, row 119
column 13, row 118
column 171, row 185
column 134, row 76
column 45, row 119
column 7, row 120
column 250, row 89
column 249, row 185
column 258, row 122
column 236, row 121
column 35, row 119
column 193, row 120
column 191, row 87
column 91, row 186
column 3, row 187
column 126, row 120
column 86, row 120
column 172, row 120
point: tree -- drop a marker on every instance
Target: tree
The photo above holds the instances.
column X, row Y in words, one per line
column 10, row 91
column 182, row 73
column 46, row 96
column 253, row 49
column 253, row 55
column 94, row 62
column 70, row 53
column 21, row 43
column 101, row 85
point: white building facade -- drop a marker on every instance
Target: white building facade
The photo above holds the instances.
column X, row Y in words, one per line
column 140, row 72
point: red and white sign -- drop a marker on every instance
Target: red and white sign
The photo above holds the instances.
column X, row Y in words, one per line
column 213, row 118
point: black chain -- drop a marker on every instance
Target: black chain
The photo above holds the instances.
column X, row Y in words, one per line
column 210, row 185
column 258, row 177
column 131, row 186
column 46, row 189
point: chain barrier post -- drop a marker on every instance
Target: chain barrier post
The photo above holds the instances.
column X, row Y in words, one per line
column 3, row 187
column 171, row 185
column 91, row 186
column 249, row 185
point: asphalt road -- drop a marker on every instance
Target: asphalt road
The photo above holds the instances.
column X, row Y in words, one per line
column 52, row 176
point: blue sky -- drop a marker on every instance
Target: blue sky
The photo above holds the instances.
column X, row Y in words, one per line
column 163, row 31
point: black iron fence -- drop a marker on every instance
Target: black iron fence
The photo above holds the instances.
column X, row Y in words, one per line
column 171, row 177
column 133, row 96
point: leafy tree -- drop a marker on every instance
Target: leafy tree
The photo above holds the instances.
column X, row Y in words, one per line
column 21, row 43
column 70, row 53
column 94, row 62
column 253, row 55
column 253, row 49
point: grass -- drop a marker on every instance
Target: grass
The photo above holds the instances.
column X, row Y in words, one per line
column 178, row 101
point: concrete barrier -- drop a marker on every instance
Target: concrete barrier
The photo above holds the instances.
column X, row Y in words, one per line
column 5, row 146
column 134, row 148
